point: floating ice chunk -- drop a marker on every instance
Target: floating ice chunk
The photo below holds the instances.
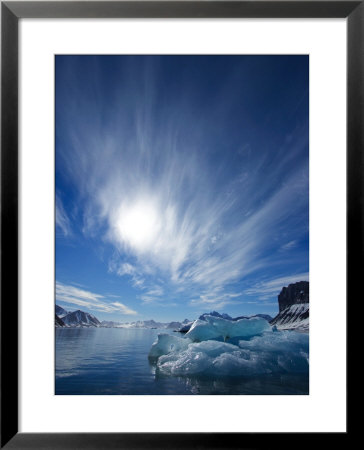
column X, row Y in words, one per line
column 281, row 341
column 196, row 359
column 201, row 330
column 216, row 327
column 289, row 349
column 167, row 343
column 274, row 352
column 214, row 348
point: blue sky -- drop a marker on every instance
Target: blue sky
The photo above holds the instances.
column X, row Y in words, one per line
column 181, row 184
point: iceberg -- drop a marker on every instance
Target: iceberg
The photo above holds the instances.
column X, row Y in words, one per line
column 217, row 328
column 281, row 341
column 271, row 353
column 167, row 343
column 219, row 348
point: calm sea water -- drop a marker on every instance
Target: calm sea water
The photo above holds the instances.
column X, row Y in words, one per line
column 114, row 361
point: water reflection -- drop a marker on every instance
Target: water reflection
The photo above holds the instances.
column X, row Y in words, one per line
column 259, row 385
column 112, row 361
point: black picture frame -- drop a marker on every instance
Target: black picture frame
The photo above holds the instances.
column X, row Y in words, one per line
column 11, row 12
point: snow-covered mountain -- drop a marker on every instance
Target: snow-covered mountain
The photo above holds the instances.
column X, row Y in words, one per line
column 294, row 317
column 293, row 294
column 186, row 325
column 110, row 324
column 81, row 318
column 215, row 314
column 144, row 324
column 174, row 325
column 60, row 312
column 59, row 322
column 293, row 307
column 151, row 324
column 263, row 316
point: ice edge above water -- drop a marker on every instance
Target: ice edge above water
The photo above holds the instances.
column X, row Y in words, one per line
column 221, row 348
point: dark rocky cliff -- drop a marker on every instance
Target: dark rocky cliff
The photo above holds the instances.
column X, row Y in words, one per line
column 294, row 294
column 294, row 311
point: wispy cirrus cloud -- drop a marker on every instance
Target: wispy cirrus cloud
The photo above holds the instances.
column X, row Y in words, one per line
column 216, row 299
column 160, row 188
column 83, row 298
column 128, row 270
column 181, row 233
column 123, row 309
column 62, row 221
column 153, row 295
column 269, row 289
column 289, row 245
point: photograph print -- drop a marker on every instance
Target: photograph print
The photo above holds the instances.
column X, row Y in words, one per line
column 182, row 225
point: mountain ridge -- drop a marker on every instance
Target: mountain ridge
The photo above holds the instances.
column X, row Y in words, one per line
column 293, row 303
column 81, row 318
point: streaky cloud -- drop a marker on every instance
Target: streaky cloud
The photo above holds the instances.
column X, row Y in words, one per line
column 73, row 295
column 62, row 220
column 151, row 187
column 269, row 289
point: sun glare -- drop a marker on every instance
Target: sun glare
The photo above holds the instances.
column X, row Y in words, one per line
column 139, row 224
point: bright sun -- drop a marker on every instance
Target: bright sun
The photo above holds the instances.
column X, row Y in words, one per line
column 139, row 224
